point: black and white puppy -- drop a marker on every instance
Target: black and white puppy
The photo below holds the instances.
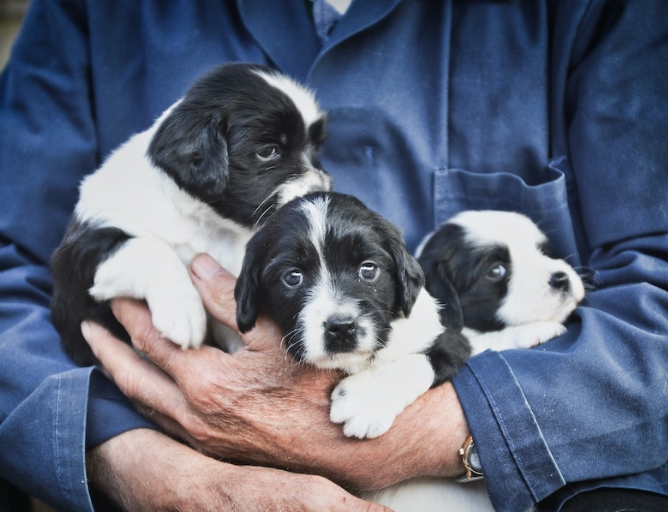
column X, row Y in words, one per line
column 347, row 293
column 243, row 141
column 493, row 274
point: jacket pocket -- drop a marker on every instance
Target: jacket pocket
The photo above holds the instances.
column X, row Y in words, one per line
column 546, row 202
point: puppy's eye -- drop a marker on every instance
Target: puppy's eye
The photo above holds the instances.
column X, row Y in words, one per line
column 369, row 271
column 269, row 153
column 293, row 278
column 497, row 272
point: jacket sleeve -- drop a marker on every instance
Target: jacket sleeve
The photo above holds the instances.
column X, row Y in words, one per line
column 590, row 409
column 50, row 410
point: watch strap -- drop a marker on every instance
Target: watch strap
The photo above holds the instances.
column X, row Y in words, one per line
column 467, row 452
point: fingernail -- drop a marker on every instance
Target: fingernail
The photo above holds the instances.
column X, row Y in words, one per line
column 88, row 332
column 85, row 329
column 204, row 266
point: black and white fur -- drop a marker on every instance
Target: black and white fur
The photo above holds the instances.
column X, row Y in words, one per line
column 243, row 141
column 347, row 293
column 493, row 274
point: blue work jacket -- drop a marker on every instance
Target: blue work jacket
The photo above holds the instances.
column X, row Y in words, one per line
column 555, row 109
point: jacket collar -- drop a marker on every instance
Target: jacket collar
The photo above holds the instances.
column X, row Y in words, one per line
column 286, row 32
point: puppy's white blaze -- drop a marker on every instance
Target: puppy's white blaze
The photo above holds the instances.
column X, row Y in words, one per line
column 316, row 212
column 303, row 98
column 325, row 301
column 320, row 303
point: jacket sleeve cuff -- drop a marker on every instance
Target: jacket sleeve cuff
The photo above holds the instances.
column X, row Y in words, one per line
column 518, row 466
column 109, row 412
column 67, row 413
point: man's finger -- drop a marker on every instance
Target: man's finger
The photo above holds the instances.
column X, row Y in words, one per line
column 135, row 317
column 188, row 368
column 216, row 287
column 138, row 379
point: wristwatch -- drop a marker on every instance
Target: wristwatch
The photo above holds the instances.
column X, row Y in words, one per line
column 469, row 455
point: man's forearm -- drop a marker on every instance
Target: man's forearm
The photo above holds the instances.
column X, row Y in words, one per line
column 135, row 469
column 145, row 470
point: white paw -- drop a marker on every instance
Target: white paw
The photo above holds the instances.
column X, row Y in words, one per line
column 550, row 330
column 146, row 268
column 365, row 409
column 179, row 317
column 108, row 284
column 539, row 332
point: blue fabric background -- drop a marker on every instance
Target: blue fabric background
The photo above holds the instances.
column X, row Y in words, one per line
column 556, row 109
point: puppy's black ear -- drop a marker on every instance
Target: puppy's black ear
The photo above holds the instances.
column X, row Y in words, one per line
column 409, row 276
column 190, row 147
column 440, row 285
column 246, row 294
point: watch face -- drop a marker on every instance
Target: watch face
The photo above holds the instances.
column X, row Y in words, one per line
column 474, row 460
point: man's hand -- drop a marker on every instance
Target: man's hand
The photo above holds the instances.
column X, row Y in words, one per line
column 259, row 406
column 146, row 470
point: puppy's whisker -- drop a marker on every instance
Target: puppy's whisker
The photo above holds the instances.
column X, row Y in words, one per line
column 589, row 279
column 259, row 206
column 288, row 357
column 258, row 222
column 288, row 343
column 287, row 338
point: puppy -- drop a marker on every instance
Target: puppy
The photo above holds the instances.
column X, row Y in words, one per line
column 243, row 141
column 339, row 280
column 493, row 274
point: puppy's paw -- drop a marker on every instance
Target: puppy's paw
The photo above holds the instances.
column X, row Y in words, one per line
column 550, row 330
column 110, row 283
column 147, row 268
column 539, row 332
column 518, row 336
column 179, row 317
column 365, row 409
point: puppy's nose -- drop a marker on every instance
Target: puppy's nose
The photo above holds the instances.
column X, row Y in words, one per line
column 339, row 326
column 340, row 333
column 560, row 281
